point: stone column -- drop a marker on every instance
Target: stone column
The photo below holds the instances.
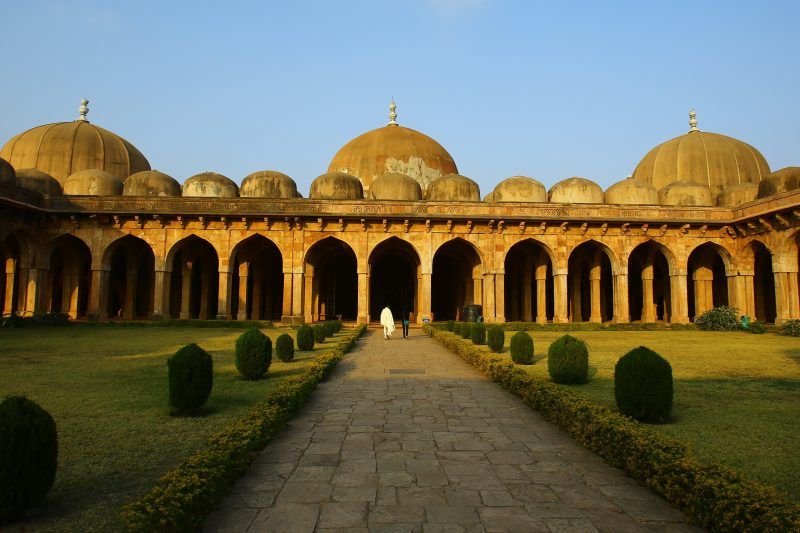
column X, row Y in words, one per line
column 576, row 311
column 363, row 297
column 743, row 295
column 308, row 296
column 527, row 291
column 541, row 293
column 477, row 292
column 205, row 281
column 703, row 290
column 8, row 300
column 255, row 295
column 500, row 296
column 794, row 295
column 678, row 293
column 131, row 279
column 489, row 308
column 224, row 290
column 98, row 295
column 160, row 290
column 560, row 295
column 186, row 289
column 74, row 294
column 425, row 297
column 286, row 311
column 782, row 288
column 244, row 270
column 648, row 306
column 622, row 314
column 33, row 299
column 297, row 294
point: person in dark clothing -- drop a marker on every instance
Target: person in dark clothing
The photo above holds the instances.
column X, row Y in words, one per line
column 404, row 312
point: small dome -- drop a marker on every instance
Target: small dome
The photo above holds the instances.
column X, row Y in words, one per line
column 336, row 186
column 268, row 184
column 453, row 188
column 151, row 183
column 711, row 159
column 93, row 182
column 519, row 189
column 632, row 191
column 210, row 185
column 37, row 181
column 488, row 198
column 64, row 148
column 576, row 191
column 393, row 148
column 737, row 194
column 686, row 193
column 7, row 174
column 395, row 186
column 783, row 180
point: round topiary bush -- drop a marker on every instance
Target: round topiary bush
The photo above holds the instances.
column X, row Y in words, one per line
column 28, row 456
column 791, row 328
column 191, row 376
column 466, row 330
column 496, row 338
column 253, row 354
column 305, row 338
column 568, row 361
column 450, row 325
column 457, row 328
column 330, row 328
column 478, row 333
column 643, row 385
column 284, row 347
column 758, row 328
column 722, row 318
column 522, row 348
column 319, row 333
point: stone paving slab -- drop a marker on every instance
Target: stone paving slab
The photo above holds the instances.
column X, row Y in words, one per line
column 405, row 436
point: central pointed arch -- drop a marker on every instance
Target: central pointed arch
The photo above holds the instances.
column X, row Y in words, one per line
column 394, row 278
column 591, row 282
column 257, row 288
column 194, row 279
column 331, row 275
column 529, row 282
column 649, row 287
column 457, row 279
column 707, row 282
column 130, row 263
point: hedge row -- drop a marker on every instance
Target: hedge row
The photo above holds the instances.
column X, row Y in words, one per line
column 585, row 326
column 185, row 495
column 185, row 323
column 712, row 496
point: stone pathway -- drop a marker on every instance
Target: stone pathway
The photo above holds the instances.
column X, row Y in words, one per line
column 405, row 436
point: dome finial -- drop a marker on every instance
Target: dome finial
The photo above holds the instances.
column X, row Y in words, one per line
column 693, row 120
column 392, row 114
column 84, row 110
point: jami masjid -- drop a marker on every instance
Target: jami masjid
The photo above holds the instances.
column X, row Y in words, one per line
column 87, row 228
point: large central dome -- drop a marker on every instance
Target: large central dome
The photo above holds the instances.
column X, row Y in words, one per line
column 393, row 148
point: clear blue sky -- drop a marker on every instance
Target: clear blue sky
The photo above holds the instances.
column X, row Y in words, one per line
column 545, row 89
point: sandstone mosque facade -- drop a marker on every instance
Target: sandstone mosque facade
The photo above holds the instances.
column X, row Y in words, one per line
column 89, row 229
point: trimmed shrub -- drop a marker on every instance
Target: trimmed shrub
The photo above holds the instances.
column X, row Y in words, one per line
column 339, row 325
column 722, row 318
column 457, row 328
column 466, row 330
column 191, row 376
column 522, row 348
column 28, row 456
column 319, row 334
column 643, row 385
column 496, row 338
column 568, row 361
column 478, row 333
column 330, row 328
column 305, row 338
column 284, row 347
column 253, row 354
column 757, row 327
column 450, row 325
column 791, row 328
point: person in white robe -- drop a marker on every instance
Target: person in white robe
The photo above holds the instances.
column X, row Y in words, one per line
column 387, row 321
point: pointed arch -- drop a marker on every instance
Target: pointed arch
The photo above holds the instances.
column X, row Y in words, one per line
column 69, row 275
column 457, row 278
column 707, row 281
column 394, row 277
column 590, row 280
column 257, row 285
column 130, row 263
column 330, row 281
column 650, row 269
column 529, row 290
column 193, row 290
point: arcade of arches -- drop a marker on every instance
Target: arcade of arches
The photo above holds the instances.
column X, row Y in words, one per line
column 278, row 276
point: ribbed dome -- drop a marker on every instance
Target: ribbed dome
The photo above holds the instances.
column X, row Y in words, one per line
column 686, row 193
column 268, row 184
column 93, row 182
column 210, row 185
column 576, row 191
column 519, row 189
column 63, row 148
column 783, row 180
column 37, row 181
column 336, row 186
column 737, row 194
column 489, row 197
column 453, row 188
column 393, row 148
column 395, row 186
column 7, row 174
column 631, row 191
column 151, row 183
column 711, row 159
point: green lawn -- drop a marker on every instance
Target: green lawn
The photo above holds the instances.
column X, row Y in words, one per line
column 737, row 395
column 106, row 388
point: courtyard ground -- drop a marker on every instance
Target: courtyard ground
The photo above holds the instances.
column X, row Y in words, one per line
column 737, row 395
column 106, row 388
